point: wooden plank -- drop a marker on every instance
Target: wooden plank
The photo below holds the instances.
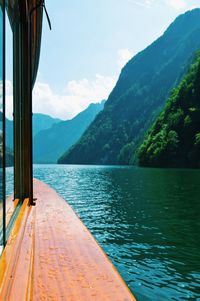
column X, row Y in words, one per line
column 17, row 257
column 59, row 258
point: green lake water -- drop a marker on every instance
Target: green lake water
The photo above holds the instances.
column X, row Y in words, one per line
column 146, row 220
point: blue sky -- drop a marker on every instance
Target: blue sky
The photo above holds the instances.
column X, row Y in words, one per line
column 90, row 41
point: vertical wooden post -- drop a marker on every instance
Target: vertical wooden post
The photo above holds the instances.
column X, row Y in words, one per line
column 23, row 105
column 17, row 109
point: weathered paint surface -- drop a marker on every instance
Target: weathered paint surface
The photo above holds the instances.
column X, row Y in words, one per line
column 51, row 255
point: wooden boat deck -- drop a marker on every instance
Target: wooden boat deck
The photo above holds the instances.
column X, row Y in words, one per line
column 50, row 255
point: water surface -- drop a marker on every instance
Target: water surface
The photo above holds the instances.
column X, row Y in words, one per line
column 146, row 220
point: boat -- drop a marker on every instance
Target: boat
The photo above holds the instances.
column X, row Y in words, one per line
column 47, row 252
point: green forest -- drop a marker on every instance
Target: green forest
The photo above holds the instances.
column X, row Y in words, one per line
column 174, row 139
column 139, row 96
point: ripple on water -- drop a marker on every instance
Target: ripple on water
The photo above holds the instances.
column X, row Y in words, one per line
column 147, row 221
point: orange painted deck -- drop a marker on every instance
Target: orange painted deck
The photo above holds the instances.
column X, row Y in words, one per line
column 10, row 208
column 51, row 255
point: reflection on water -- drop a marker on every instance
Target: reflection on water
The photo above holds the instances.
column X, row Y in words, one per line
column 9, row 191
column 147, row 221
column 9, row 181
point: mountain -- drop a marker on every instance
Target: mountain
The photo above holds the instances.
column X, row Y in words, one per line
column 9, row 154
column 9, row 131
column 9, row 157
column 43, row 122
column 40, row 122
column 138, row 97
column 174, row 139
column 50, row 144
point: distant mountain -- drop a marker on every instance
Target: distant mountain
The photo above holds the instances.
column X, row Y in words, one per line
column 40, row 122
column 139, row 95
column 43, row 122
column 174, row 139
column 9, row 142
column 9, row 157
column 9, row 153
column 50, row 144
column 9, row 131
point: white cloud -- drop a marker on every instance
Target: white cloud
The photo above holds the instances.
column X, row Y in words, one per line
column 182, row 4
column 76, row 97
column 137, row 2
column 96, row 90
column 124, row 55
column 177, row 4
column 9, row 99
column 143, row 3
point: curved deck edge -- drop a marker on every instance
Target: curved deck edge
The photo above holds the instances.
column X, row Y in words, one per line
column 51, row 255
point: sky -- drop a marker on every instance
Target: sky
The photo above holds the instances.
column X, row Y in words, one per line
column 91, row 40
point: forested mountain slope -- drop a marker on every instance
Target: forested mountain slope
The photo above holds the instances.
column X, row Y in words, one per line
column 174, row 140
column 139, row 95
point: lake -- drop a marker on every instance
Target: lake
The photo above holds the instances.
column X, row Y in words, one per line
column 146, row 220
